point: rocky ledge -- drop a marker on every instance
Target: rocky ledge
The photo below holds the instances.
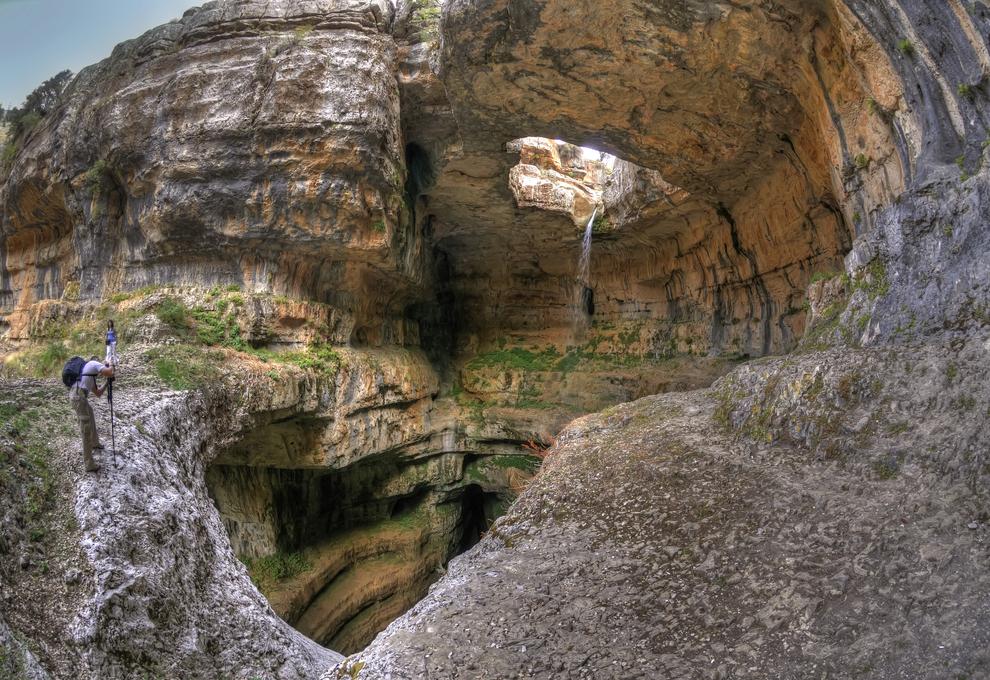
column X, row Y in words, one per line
column 801, row 519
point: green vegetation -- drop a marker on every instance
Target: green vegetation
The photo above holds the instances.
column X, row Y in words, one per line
column 266, row 572
column 602, row 224
column 905, row 47
column 43, row 362
column 517, row 462
column 885, row 469
column 862, row 161
column 173, row 313
column 218, row 327
column 36, row 105
column 961, row 164
column 952, row 371
column 426, row 16
column 301, row 33
column 965, row 91
column 9, row 152
column 26, row 459
column 321, row 358
column 873, row 279
column 184, row 367
column 518, row 359
column 823, row 276
column 378, row 226
column 99, row 178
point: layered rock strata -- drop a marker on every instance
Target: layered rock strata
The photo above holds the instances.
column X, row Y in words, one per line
column 351, row 168
column 803, row 518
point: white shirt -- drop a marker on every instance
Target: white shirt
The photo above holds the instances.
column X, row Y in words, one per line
column 90, row 371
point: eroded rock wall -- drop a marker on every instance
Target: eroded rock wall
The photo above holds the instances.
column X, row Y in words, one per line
column 250, row 143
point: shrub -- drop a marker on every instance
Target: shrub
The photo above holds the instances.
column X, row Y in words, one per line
column 99, row 178
column 905, row 47
column 173, row 314
column 966, row 91
column 10, row 150
column 862, row 161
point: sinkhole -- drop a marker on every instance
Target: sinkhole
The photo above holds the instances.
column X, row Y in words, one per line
column 340, row 552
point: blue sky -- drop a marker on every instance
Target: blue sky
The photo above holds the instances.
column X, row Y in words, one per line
column 39, row 38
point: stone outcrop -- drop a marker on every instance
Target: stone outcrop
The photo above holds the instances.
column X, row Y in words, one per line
column 377, row 209
column 299, row 160
column 798, row 520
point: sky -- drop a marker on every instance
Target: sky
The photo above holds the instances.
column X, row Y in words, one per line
column 39, row 38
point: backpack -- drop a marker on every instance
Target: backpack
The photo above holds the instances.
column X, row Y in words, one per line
column 72, row 371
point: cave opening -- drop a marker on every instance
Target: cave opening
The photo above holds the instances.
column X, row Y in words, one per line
column 339, row 552
column 475, row 516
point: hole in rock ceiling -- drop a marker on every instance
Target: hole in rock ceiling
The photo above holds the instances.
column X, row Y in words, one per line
column 340, row 552
column 560, row 177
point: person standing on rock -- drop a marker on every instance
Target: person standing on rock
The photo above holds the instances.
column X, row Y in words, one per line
column 79, row 398
column 111, row 358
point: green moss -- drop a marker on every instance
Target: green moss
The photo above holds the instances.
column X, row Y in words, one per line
column 517, row 358
column 517, row 462
column 602, row 224
column 965, row 91
column 378, row 226
column 905, row 47
column 267, row 572
column 952, row 371
column 218, row 328
column 823, row 276
column 862, row 161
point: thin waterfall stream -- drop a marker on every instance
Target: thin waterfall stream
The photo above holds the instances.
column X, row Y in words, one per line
column 584, row 297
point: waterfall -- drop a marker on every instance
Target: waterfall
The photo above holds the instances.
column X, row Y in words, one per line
column 584, row 304
column 584, row 264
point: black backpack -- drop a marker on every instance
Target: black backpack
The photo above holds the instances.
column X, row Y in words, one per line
column 72, row 371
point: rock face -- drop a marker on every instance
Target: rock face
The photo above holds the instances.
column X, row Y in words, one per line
column 377, row 210
column 657, row 542
column 298, row 157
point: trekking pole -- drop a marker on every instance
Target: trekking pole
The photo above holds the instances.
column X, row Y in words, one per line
column 113, row 439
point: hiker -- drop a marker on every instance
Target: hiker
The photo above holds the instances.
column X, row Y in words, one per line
column 111, row 358
column 79, row 398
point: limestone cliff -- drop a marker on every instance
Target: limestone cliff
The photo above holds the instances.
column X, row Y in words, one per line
column 341, row 239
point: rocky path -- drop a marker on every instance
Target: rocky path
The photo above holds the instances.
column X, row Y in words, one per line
column 144, row 581
column 657, row 545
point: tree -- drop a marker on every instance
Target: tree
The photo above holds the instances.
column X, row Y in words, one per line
column 37, row 104
column 44, row 97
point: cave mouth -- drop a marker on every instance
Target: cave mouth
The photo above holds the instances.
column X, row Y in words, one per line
column 560, row 177
column 340, row 553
